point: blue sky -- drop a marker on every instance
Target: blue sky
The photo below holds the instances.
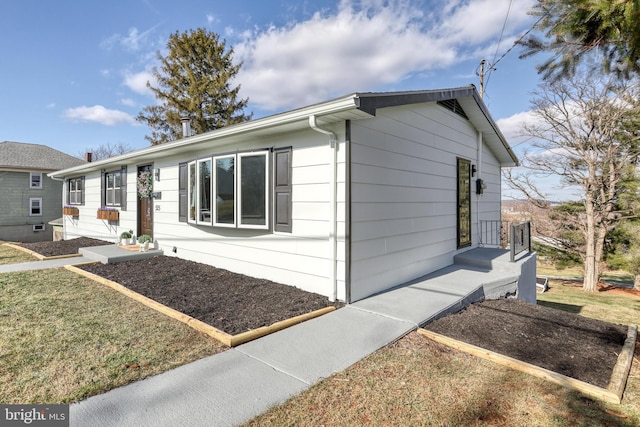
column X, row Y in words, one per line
column 73, row 73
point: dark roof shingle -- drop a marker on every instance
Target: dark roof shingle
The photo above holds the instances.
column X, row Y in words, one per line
column 20, row 155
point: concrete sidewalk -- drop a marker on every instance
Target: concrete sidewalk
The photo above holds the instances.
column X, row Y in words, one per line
column 234, row 386
column 42, row 265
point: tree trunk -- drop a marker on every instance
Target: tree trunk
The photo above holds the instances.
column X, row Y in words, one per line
column 590, row 263
column 636, row 282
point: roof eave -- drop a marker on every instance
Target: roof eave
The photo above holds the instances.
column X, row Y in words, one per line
column 328, row 112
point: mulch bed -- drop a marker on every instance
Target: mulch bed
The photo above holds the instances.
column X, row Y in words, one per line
column 572, row 345
column 63, row 247
column 228, row 301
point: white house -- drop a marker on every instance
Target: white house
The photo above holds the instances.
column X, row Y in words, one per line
column 345, row 198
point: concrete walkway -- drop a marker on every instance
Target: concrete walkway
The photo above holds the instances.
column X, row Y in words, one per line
column 234, row 386
column 42, row 265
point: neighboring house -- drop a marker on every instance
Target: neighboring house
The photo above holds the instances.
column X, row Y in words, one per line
column 345, row 198
column 29, row 199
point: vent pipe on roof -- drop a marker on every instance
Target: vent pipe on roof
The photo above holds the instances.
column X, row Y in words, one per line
column 186, row 127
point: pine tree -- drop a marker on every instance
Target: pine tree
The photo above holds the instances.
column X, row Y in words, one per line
column 194, row 81
column 575, row 28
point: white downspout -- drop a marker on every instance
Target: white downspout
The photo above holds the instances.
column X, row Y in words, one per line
column 479, row 176
column 333, row 205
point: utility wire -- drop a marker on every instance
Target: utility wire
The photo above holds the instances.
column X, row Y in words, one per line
column 491, row 67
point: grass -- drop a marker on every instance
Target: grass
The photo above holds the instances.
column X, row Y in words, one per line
column 577, row 273
column 608, row 306
column 418, row 382
column 12, row 256
column 64, row 338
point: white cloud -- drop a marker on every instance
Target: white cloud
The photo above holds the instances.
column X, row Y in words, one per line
column 133, row 41
column 511, row 127
column 366, row 44
column 99, row 114
column 137, row 82
column 128, row 102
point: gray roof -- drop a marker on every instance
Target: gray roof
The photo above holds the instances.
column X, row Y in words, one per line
column 20, row 155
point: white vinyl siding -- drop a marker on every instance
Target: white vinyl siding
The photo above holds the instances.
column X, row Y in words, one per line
column 404, row 194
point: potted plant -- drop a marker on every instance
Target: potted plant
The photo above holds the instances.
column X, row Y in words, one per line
column 70, row 211
column 144, row 242
column 125, row 237
column 108, row 213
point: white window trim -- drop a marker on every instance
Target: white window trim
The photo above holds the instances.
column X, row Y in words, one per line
column 199, row 190
column 31, row 175
column 189, row 195
column 113, row 189
column 31, row 200
column 239, row 190
column 214, row 181
column 75, row 191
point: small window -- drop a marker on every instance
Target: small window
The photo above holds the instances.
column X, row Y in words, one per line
column 225, row 185
column 113, row 188
column 35, row 180
column 204, row 192
column 35, row 206
column 192, row 195
column 253, row 203
column 75, row 195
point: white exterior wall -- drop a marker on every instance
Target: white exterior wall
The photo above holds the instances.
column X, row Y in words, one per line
column 403, row 194
column 87, row 224
column 301, row 258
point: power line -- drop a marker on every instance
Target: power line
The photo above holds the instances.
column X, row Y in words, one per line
column 491, row 67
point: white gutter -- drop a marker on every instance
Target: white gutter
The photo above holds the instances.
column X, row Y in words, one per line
column 333, row 205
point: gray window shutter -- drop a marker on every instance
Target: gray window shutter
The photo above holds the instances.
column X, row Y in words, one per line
column 103, row 188
column 183, row 179
column 282, row 190
column 123, row 188
column 82, row 190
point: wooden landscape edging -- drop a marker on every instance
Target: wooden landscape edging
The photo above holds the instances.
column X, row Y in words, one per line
column 225, row 338
column 613, row 393
column 39, row 256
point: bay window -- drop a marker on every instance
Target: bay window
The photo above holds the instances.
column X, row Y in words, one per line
column 230, row 190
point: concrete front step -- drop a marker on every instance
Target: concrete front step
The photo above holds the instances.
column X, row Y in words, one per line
column 111, row 254
column 489, row 258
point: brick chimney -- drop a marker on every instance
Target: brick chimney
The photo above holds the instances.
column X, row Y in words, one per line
column 88, row 157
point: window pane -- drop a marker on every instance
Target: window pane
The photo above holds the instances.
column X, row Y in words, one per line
column 109, row 180
column 35, row 206
column 117, row 180
column 205, row 190
column 253, row 190
column 110, row 200
column 192, row 191
column 225, row 191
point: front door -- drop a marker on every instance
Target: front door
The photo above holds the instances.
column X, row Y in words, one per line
column 464, row 203
column 145, row 201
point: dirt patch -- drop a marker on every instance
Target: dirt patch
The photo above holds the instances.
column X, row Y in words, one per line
column 231, row 302
column 63, row 247
column 572, row 345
